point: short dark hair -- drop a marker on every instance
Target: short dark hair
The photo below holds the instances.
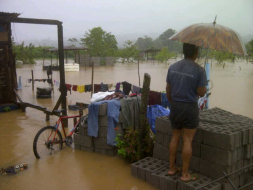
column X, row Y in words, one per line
column 189, row 50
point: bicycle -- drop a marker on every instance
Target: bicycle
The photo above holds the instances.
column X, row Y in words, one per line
column 49, row 138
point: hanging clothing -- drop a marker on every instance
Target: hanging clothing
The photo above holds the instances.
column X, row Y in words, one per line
column 117, row 86
column 88, row 88
column 165, row 102
column 154, row 98
column 57, row 83
column 97, row 88
column 126, row 87
column 74, row 87
column 49, row 81
column 103, row 87
column 116, row 95
column 80, row 88
column 136, row 89
column 68, row 86
column 29, row 80
column 130, row 107
column 44, row 80
column 110, row 86
column 100, row 96
column 113, row 107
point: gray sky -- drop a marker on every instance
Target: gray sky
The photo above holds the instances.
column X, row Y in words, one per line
column 127, row 16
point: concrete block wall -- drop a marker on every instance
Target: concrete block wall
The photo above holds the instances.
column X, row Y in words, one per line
column 84, row 60
column 97, row 144
column 223, row 142
column 95, row 60
column 109, row 61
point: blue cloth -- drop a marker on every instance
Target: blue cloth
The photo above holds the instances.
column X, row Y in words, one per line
column 165, row 102
column 113, row 107
column 185, row 77
column 154, row 112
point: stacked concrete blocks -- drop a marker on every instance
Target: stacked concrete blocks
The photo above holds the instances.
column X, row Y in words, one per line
column 97, row 144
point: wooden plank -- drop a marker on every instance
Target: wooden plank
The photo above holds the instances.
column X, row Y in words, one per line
column 31, row 21
column 58, row 103
column 18, row 96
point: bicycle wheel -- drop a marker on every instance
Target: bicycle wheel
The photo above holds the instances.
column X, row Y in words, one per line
column 43, row 142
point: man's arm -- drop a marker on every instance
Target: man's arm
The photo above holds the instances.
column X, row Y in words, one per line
column 168, row 92
column 201, row 91
column 202, row 82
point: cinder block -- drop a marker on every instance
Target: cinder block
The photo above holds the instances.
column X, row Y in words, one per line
column 102, row 121
column 159, row 137
column 135, row 165
column 194, row 163
column 227, row 186
column 83, row 140
column 245, row 178
column 218, row 156
column 111, row 152
column 102, row 143
column 247, row 151
column 193, row 185
column 102, row 132
column 78, row 147
column 198, row 137
column 83, row 130
column 100, row 151
column 161, row 152
column 153, row 169
column 102, row 109
column 121, row 117
column 162, row 124
column 87, row 149
column 169, row 182
column 166, row 140
column 219, row 140
column 156, row 175
column 215, row 171
column 141, row 170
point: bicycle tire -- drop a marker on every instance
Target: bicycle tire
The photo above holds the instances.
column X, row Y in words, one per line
column 38, row 153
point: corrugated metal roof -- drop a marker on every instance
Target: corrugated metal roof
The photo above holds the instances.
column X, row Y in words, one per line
column 67, row 48
column 8, row 15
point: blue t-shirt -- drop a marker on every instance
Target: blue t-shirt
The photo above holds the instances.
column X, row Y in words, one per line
column 185, row 77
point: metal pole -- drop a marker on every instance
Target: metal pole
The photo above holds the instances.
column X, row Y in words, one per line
column 139, row 72
column 51, row 59
column 63, row 88
column 43, row 58
column 32, row 81
column 207, row 67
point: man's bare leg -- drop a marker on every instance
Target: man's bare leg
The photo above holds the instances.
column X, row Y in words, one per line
column 187, row 152
column 173, row 150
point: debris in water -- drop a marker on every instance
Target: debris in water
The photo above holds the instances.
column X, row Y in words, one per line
column 13, row 169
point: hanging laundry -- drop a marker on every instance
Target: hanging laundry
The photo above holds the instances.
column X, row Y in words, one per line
column 74, row 87
column 110, row 86
column 80, row 88
column 44, row 80
column 88, row 88
column 165, row 102
column 100, row 96
column 117, row 86
column 154, row 98
column 116, row 96
column 103, row 87
column 97, row 88
column 136, row 89
column 29, row 80
column 126, row 87
column 68, row 86
column 57, row 83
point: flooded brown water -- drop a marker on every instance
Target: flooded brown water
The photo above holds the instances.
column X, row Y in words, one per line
column 74, row 169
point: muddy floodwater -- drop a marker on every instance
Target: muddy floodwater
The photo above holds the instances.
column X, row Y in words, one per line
column 74, row 169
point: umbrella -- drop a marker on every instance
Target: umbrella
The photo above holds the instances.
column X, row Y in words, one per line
column 212, row 36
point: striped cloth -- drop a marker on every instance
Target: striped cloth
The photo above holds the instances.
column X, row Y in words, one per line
column 103, row 87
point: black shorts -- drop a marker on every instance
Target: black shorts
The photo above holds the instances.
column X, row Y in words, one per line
column 184, row 115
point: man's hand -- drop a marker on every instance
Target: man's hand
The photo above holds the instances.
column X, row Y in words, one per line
column 201, row 91
column 168, row 92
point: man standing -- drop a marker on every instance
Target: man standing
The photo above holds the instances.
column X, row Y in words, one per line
column 186, row 81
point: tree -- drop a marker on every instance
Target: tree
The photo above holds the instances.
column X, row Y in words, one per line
column 24, row 53
column 164, row 38
column 73, row 41
column 99, row 42
column 249, row 47
column 130, row 51
column 163, row 55
column 144, row 43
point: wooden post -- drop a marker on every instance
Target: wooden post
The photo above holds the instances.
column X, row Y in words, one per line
column 139, row 72
column 63, row 88
column 75, row 56
column 57, row 58
column 92, row 77
column 32, row 81
column 66, row 56
column 143, row 113
column 51, row 59
column 43, row 59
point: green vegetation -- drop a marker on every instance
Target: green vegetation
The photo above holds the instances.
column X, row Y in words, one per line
column 129, row 51
column 100, row 42
column 164, row 55
column 128, row 147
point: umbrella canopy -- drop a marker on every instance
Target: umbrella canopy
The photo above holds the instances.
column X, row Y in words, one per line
column 213, row 36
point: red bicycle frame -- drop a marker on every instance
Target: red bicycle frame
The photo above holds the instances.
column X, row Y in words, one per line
column 58, row 124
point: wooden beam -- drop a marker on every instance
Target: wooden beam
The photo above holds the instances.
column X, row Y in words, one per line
column 32, row 81
column 31, row 21
column 17, row 96
column 63, row 88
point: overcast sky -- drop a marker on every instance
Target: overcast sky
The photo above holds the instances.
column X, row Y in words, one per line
column 127, row 16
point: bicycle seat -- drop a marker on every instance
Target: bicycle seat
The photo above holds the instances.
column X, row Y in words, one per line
column 59, row 111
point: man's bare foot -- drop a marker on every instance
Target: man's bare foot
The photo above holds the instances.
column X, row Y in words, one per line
column 189, row 177
column 174, row 171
